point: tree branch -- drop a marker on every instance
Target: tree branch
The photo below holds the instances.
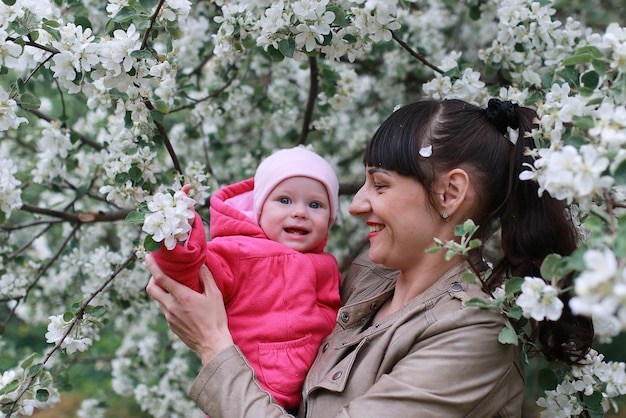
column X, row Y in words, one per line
column 414, row 54
column 80, row 217
column 77, row 318
column 85, row 140
column 310, row 105
column 146, row 36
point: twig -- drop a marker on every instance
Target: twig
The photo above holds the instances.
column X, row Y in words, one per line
column 415, row 54
column 77, row 317
column 310, row 105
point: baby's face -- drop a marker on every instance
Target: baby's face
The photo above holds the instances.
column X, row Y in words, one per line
column 296, row 213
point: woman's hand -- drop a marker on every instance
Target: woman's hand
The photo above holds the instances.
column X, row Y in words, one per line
column 199, row 319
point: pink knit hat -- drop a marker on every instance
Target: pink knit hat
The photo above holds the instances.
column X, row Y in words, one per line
column 294, row 162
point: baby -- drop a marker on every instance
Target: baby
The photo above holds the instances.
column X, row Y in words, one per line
column 266, row 253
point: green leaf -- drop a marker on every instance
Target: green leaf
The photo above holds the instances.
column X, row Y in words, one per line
column 507, row 335
column 590, row 79
column 593, row 404
column 592, row 50
column 349, row 38
column 547, row 379
column 620, row 240
column 9, row 2
column 135, row 174
column 619, row 174
column 575, row 140
column 156, row 115
column 569, row 75
column 340, row 16
column 475, row 243
column 42, row 395
column 121, row 178
column 578, row 59
column 83, row 21
column 469, row 277
column 135, row 217
column 162, row 106
column 433, row 250
column 274, row 54
column 151, row 245
column 515, row 312
column 28, row 361
column 34, row 369
column 600, row 66
column 125, row 13
column 478, row 303
column 29, row 101
column 142, row 54
column 513, row 285
column 474, row 12
column 51, row 23
column 287, row 47
column 12, row 386
column 584, row 122
column 95, row 310
column 68, row 316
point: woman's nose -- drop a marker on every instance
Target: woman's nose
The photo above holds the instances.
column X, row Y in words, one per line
column 359, row 204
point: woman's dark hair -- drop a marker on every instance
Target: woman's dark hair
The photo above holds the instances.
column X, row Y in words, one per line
column 475, row 139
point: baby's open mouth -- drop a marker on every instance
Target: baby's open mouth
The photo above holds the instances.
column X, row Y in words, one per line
column 296, row 231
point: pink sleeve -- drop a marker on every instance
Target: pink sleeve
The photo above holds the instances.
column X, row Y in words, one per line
column 183, row 262
column 328, row 280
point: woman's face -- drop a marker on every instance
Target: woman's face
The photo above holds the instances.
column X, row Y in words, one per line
column 401, row 220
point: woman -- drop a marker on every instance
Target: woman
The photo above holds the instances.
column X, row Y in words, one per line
column 404, row 344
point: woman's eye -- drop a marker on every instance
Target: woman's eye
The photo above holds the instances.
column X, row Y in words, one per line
column 315, row 205
column 378, row 186
column 285, row 200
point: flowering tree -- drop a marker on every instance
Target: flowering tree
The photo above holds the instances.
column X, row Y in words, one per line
column 104, row 105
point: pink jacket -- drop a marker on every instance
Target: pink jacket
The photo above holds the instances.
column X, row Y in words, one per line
column 280, row 303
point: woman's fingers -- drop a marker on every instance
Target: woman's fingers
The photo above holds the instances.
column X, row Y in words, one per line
column 164, row 281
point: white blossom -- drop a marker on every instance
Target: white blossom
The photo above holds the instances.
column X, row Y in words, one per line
column 169, row 219
column 539, row 300
column 10, row 192
column 8, row 118
column 57, row 328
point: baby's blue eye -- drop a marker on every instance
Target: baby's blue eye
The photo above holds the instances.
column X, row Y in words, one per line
column 315, row 205
column 285, row 200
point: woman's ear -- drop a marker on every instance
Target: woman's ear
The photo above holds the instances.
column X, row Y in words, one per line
column 453, row 191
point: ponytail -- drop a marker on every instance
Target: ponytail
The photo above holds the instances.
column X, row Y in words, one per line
column 533, row 227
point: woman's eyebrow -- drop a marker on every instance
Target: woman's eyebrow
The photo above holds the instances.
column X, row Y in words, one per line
column 373, row 170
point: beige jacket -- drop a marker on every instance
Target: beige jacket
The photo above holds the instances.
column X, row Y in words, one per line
column 433, row 358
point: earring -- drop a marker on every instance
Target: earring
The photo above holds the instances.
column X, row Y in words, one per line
column 445, row 215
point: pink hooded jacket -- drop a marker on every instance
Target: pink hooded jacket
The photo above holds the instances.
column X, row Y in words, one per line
column 280, row 302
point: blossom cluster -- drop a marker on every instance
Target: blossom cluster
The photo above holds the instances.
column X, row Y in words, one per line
column 71, row 341
column 600, row 290
column 593, row 375
column 10, row 192
column 539, row 300
column 169, row 218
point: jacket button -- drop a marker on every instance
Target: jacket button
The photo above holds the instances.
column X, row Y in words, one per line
column 325, row 348
column 345, row 317
column 374, row 306
column 337, row 375
column 456, row 287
